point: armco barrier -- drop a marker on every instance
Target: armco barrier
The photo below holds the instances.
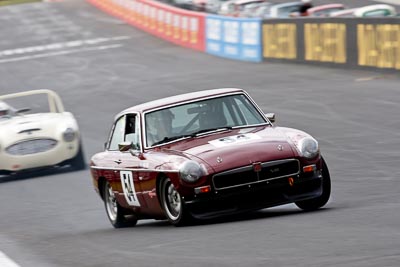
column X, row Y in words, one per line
column 182, row 27
column 345, row 42
column 235, row 38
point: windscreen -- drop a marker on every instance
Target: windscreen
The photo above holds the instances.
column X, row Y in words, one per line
column 191, row 118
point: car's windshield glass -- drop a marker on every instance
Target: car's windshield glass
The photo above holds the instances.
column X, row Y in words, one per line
column 28, row 104
column 201, row 116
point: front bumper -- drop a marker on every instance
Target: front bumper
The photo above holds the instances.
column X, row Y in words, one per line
column 257, row 196
column 60, row 153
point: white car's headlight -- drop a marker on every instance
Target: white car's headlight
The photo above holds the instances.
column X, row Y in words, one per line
column 69, row 135
column 308, row 146
column 191, row 171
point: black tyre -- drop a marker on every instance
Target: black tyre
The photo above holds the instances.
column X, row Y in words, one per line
column 318, row 202
column 78, row 162
column 115, row 213
column 173, row 204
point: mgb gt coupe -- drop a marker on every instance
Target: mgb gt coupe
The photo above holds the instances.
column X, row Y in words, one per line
column 205, row 154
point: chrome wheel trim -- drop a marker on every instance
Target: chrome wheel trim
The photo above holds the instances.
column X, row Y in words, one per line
column 172, row 201
column 111, row 203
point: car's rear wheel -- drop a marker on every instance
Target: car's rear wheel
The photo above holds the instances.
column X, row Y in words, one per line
column 115, row 213
column 318, row 202
column 173, row 204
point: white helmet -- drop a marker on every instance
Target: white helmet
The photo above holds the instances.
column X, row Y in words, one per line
column 4, row 108
column 306, row 1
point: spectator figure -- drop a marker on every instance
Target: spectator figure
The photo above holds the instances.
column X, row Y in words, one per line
column 304, row 7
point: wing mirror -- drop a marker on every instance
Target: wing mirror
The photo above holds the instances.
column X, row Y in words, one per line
column 132, row 148
column 271, row 117
column 124, row 146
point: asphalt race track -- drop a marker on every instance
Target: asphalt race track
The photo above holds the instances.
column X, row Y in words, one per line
column 100, row 66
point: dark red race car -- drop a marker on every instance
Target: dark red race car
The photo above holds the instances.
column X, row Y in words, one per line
column 205, row 154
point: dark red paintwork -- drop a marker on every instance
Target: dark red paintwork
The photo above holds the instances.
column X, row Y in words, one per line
column 149, row 165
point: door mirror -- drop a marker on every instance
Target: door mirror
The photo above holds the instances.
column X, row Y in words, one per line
column 271, row 117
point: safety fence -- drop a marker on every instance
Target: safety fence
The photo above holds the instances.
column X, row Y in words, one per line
column 343, row 42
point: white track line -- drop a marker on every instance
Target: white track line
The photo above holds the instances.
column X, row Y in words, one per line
column 59, row 46
column 6, row 261
column 59, row 53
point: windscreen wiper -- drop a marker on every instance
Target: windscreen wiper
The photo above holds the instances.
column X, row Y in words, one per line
column 169, row 139
column 210, row 130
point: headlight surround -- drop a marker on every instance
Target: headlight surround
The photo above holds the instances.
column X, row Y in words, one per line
column 69, row 135
column 191, row 171
column 308, row 147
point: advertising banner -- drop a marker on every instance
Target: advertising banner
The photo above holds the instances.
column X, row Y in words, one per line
column 236, row 38
column 378, row 45
column 337, row 42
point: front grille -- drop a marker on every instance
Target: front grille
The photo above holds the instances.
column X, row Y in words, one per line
column 31, row 147
column 247, row 175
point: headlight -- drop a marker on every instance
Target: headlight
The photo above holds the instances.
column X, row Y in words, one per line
column 308, row 147
column 69, row 135
column 191, row 171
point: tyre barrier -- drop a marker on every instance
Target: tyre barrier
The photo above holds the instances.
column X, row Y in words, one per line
column 364, row 43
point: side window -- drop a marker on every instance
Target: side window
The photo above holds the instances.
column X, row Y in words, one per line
column 132, row 131
column 118, row 134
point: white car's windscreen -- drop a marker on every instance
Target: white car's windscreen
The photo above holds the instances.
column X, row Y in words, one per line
column 28, row 104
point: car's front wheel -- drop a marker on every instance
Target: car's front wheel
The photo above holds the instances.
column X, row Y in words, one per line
column 173, row 204
column 115, row 213
column 318, row 202
column 78, row 162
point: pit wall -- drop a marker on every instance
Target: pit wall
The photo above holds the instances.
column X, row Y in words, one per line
column 372, row 43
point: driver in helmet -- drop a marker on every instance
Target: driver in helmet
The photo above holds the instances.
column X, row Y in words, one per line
column 159, row 126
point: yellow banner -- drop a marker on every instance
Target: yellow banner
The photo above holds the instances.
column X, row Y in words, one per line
column 279, row 40
column 379, row 45
column 325, row 42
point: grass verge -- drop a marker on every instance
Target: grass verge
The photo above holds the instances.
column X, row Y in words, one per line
column 15, row 2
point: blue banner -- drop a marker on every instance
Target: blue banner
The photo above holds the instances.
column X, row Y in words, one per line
column 236, row 38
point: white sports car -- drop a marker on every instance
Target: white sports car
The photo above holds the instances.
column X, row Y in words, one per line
column 37, row 134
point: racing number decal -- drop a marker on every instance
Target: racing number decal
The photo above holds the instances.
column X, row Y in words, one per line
column 129, row 188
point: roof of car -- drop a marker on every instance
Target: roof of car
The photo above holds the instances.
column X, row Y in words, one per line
column 363, row 9
column 244, row 2
column 327, row 6
column 178, row 99
column 281, row 5
column 343, row 12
